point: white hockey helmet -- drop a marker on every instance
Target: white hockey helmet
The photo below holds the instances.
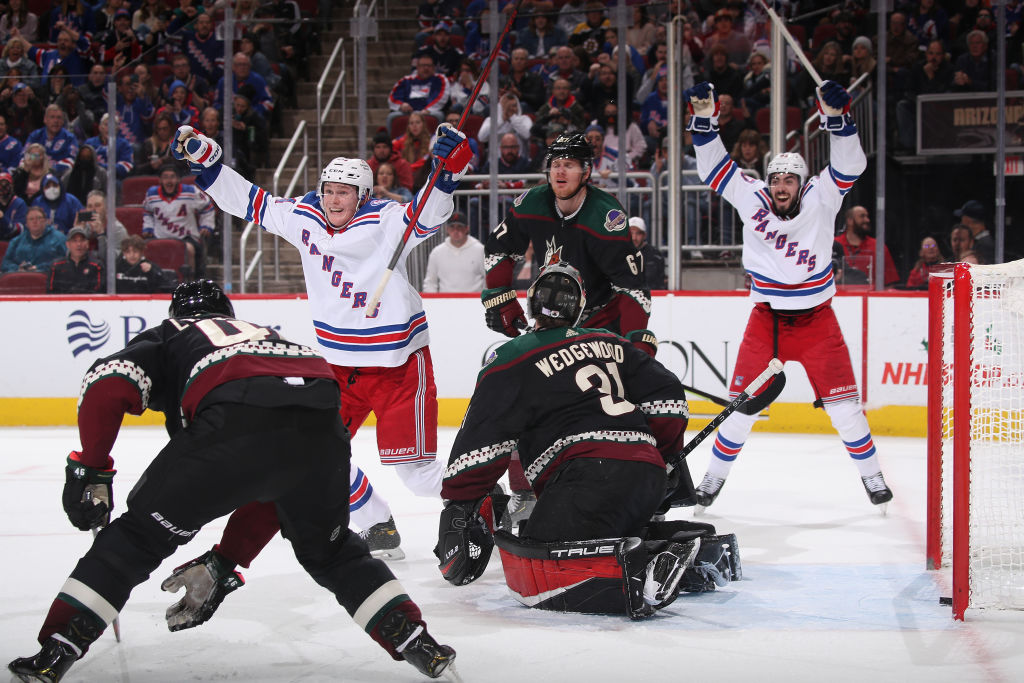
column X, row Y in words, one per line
column 788, row 162
column 349, row 172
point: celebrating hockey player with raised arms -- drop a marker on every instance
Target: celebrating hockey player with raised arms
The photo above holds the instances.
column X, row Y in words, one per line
column 251, row 416
column 595, row 420
column 787, row 251
column 381, row 358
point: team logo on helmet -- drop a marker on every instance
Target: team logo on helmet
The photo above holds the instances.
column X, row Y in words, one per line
column 615, row 220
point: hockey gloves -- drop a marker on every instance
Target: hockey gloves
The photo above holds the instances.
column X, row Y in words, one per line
column 834, row 109
column 702, row 101
column 645, row 341
column 198, row 150
column 502, row 311
column 88, row 493
column 453, row 153
column 206, row 579
column 464, row 540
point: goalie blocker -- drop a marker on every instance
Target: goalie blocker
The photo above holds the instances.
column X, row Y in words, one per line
column 630, row 576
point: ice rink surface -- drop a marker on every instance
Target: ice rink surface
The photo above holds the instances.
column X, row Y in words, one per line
column 831, row 589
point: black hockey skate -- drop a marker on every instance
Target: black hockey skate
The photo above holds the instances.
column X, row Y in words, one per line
column 49, row 665
column 664, row 571
column 709, row 488
column 877, row 490
column 418, row 647
column 383, row 540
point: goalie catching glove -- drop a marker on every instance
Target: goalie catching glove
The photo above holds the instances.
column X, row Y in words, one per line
column 88, row 494
column 834, row 109
column 453, row 153
column 502, row 311
column 702, row 101
column 198, row 150
column 465, row 540
column 206, row 579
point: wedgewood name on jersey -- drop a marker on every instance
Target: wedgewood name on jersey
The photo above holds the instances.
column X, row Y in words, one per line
column 583, row 351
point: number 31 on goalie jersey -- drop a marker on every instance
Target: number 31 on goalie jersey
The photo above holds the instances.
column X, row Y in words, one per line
column 609, row 384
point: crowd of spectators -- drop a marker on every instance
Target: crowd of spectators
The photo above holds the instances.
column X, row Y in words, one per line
column 167, row 61
column 560, row 73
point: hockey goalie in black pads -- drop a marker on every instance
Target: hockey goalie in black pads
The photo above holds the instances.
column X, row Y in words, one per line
column 595, row 420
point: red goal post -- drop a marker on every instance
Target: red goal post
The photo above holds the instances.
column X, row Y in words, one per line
column 975, row 462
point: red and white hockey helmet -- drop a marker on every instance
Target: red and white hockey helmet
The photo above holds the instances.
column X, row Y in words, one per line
column 350, row 172
column 788, row 162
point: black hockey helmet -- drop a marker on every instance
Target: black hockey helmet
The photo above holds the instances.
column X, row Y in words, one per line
column 557, row 293
column 198, row 299
column 570, row 146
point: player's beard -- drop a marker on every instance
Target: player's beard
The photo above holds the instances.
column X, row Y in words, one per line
column 790, row 211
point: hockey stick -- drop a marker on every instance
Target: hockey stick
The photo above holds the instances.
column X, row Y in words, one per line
column 774, row 368
column 777, row 20
column 371, row 305
column 754, row 404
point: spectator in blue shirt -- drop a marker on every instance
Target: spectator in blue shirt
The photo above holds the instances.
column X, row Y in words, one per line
column 39, row 245
column 61, row 145
column 124, row 149
column 134, row 110
column 10, row 148
column 60, row 207
column 72, row 51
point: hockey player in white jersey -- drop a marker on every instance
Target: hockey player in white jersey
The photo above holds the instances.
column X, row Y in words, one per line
column 787, row 251
column 381, row 358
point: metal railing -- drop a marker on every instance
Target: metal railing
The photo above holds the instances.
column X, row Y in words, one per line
column 301, row 170
column 322, row 110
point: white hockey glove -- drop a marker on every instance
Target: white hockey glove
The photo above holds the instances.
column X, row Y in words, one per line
column 198, row 150
column 834, row 107
column 452, row 151
column 702, row 100
column 206, row 579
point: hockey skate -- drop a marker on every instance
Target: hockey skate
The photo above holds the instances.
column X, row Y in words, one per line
column 664, row 571
column 418, row 647
column 520, row 507
column 707, row 491
column 878, row 491
column 49, row 665
column 383, row 540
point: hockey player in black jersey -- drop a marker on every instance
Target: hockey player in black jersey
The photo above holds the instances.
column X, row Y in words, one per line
column 596, row 421
column 251, row 416
column 569, row 220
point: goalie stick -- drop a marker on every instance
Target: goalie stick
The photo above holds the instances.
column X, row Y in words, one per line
column 774, row 368
column 371, row 305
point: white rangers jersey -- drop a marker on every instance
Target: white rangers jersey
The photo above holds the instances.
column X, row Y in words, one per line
column 179, row 216
column 343, row 267
column 789, row 259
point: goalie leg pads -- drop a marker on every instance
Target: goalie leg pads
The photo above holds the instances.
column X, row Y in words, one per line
column 464, row 540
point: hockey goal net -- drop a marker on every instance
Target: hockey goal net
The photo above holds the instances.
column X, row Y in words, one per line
column 976, row 433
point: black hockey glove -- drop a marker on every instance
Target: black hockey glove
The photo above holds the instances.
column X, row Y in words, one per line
column 88, row 494
column 464, row 540
column 645, row 341
column 502, row 311
column 207, row 579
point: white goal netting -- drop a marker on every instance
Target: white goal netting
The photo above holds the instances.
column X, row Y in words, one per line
column 995, row 338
